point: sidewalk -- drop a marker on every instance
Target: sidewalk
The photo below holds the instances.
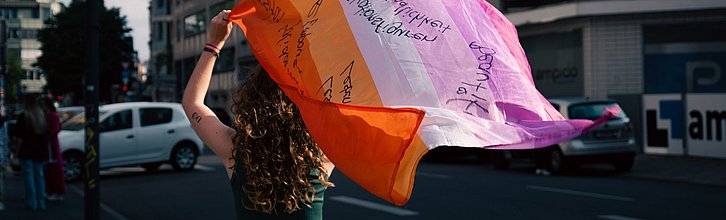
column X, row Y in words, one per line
column 694, row 170
column 691, row 170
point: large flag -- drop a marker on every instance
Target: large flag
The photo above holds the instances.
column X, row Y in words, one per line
column 381, row 82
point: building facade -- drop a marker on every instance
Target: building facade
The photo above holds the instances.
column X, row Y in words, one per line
column 23, row 20
column 662, row 60
column 178, row 34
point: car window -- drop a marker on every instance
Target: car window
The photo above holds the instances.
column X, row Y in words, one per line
column 557, row 106
column 65, row 115
column 117, row 121
column 155, row 116
column 592, row 111
column 76, row 122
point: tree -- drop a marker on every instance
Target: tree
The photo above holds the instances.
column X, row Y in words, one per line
column 15, row 73
column 64, row 49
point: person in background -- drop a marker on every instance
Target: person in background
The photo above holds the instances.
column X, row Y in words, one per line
column 4, row 153
column 276, row 170
column 55, row 183
column 32, row 130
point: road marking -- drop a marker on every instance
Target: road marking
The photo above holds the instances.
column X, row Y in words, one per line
column 580, row 193
column 616, row 217
column 203, row 168
column 433, row 175
column 121, row 170
column 105, row 207
column 374, row 206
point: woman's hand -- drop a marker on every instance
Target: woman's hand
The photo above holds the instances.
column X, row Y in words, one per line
column 219, row 29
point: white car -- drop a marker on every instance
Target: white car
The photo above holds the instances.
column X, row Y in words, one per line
column 134, row 133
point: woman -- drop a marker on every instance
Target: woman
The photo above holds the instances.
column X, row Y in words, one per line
column 276, row 169
column 55, row 184
column 32, row 130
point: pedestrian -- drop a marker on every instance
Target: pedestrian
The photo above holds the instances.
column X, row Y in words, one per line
column 32, row 130
column 276, row 170
column 4, row 153
column 543, row 159
column 55, row 183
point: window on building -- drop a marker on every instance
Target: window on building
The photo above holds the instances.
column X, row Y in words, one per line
column 245, row 65
column 46, row 13
column 22, row 33
column 679, row 33
column 225, row 5
column 519, row 5
column 35, row 13
column 557, row 63
column 684, row 57
column 9, row 13
column 159, row 31
column 178, row 67
column 178, row 27
column 194, row 24
column 189, row 63
column 162, row 7
column 28, row 13
column 226, row 61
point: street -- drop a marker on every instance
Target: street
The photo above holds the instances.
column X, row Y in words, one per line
column 455, row 190
column 133, row 87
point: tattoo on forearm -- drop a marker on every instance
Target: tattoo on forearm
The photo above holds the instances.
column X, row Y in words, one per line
column 196, row 117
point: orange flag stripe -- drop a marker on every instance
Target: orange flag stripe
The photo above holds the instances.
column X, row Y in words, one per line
column 376, row 147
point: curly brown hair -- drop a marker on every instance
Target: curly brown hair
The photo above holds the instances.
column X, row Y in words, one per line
column 275, row 148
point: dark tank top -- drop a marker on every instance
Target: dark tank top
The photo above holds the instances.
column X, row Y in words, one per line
column 239, row 178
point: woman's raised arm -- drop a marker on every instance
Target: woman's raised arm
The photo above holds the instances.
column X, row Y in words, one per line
column 205, row 123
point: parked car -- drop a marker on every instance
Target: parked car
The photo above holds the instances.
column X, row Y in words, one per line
column 65, row 113
column 135, row 133
column 612, row 142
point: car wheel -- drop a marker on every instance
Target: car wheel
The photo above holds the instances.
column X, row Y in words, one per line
column 557, row 161
column 624, row 164
column 151, row 167
column 184, row 157
column 73, row 166
column 499, row 160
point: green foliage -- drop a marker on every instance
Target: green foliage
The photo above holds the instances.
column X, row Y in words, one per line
column 64, row 50
column 12, row 80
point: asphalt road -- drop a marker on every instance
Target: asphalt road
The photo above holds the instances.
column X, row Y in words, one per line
column 462, row 190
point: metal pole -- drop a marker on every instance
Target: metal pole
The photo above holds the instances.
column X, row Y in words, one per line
column 92, row 198
column 684, row 105
column 3, row 60
column 3, row 70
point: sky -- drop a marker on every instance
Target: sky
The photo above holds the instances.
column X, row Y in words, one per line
column 137, row 18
